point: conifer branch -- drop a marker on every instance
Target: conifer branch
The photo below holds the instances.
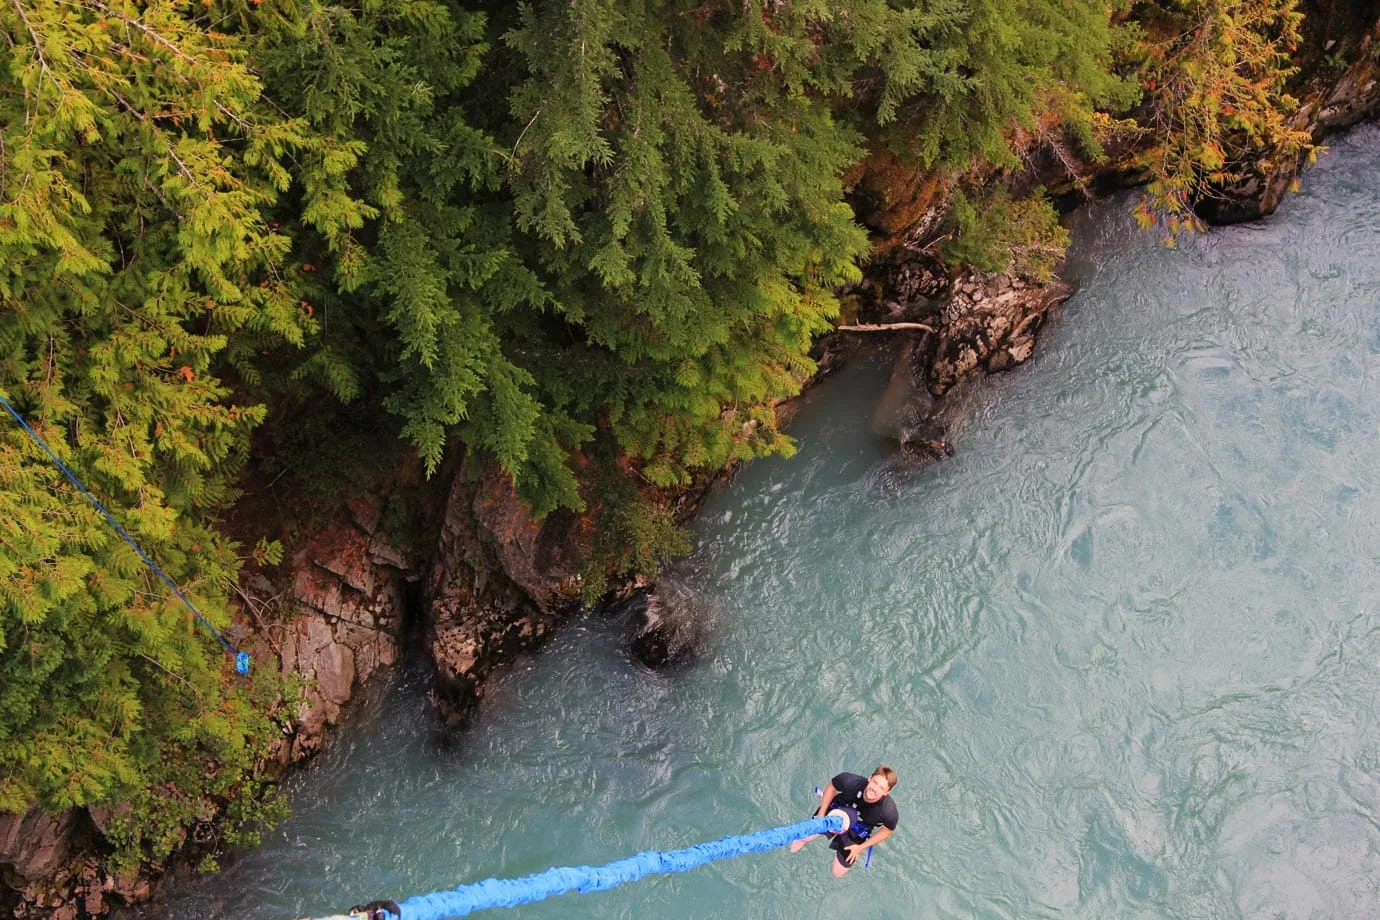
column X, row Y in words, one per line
column 1056, row 144
column 38, row 46
column 167, row 147
column 512, row 157
column 151, row 33
column 48, row 377
column 173, row 674
column 252, row 605
column 233, row 116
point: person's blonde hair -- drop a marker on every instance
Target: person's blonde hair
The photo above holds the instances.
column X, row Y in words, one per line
column 890, row 775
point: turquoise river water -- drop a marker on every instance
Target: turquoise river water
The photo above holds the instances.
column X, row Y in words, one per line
column 1123, row 648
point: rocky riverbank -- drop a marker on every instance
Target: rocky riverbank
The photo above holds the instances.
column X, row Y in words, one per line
column 959, row 325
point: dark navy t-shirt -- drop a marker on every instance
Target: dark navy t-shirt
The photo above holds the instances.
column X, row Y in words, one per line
column 850, row 788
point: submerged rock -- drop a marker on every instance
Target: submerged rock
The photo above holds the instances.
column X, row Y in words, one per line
column 909, row 414
column 922, row 424
column 665, row 631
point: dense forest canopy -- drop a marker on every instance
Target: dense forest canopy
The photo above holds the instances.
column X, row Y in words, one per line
column 578, row 239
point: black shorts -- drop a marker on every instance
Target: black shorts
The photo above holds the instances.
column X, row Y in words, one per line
column 837, row 844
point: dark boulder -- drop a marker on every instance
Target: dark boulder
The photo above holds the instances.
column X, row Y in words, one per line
column 666, row 632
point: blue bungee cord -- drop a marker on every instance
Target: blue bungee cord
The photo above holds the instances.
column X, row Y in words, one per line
column 241, row 658
column 495, row 892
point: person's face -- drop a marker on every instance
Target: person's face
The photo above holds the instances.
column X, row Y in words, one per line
column 877, row 788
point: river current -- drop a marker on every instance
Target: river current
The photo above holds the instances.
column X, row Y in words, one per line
column 1123, row 649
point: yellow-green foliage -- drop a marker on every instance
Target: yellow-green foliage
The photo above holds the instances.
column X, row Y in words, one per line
column 995, row 233
column 135, row 166
column 1214, row 73
column 631, row 534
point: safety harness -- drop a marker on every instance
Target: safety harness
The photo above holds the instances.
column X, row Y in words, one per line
column 856, row 827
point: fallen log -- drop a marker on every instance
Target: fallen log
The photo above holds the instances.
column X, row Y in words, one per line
column 887, row 327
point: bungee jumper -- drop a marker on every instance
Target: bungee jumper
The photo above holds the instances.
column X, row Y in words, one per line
column 375, row 910
column 868, row 805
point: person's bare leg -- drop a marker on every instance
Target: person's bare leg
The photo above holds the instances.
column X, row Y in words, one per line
column 840, row 870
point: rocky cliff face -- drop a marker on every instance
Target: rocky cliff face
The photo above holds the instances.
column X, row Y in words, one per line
column 36, row 868
column 49, row 872
column 348, row 594
column 499, row 582
column 34, row 844
column 989, row 322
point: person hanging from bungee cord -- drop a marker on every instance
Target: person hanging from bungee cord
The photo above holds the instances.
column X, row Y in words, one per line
column 868, row 805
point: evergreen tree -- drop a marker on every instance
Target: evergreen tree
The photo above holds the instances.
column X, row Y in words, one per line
column 434, row 315
column 134, row 166
column 623, row 249
column 676, row 186
column 998, row 66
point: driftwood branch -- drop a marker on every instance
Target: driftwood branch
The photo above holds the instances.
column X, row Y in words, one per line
column 887, row 327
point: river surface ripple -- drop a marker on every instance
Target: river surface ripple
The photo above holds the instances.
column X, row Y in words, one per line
column 1123, row 649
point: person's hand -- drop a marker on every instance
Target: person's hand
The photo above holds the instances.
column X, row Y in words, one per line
column 797, row 845
column 854, row 850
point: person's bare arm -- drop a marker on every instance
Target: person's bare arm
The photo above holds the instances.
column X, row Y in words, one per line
column 857, row 849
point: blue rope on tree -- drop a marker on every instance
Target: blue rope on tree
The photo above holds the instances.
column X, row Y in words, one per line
column 241, row 658
column 496, row 892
